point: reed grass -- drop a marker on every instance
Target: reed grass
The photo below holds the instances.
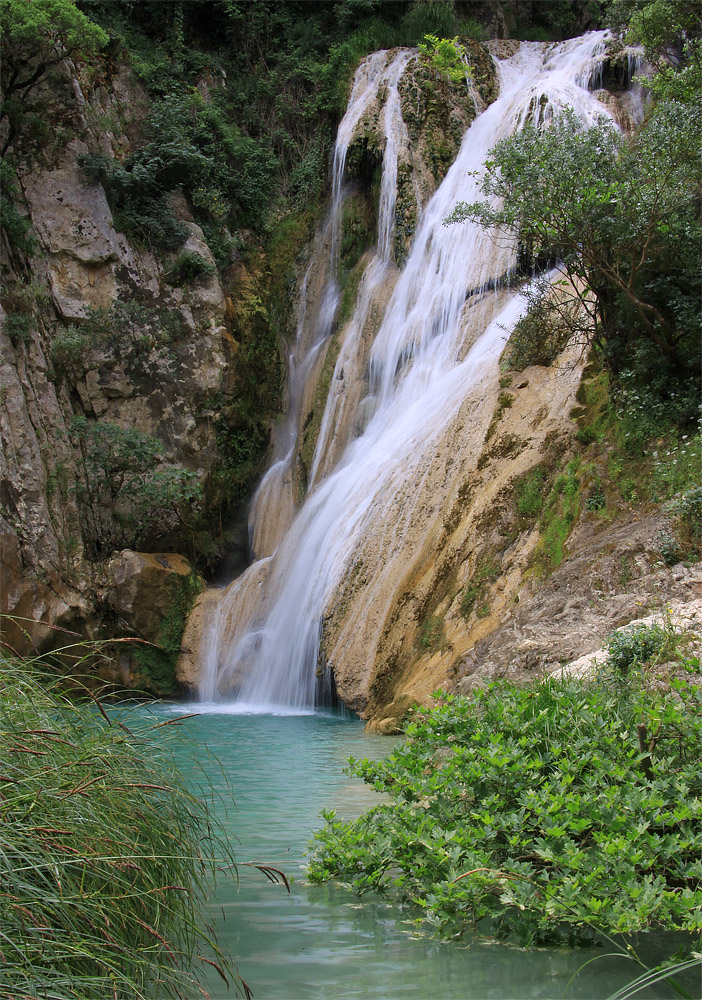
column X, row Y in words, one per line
column 106, row 856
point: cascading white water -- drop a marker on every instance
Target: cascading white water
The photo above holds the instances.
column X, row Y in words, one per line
column 272, row 506
column 434, row 344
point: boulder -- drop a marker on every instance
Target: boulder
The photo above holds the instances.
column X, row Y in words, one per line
column 139, row 589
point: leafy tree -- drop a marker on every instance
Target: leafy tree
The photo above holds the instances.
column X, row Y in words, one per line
column 35, row 36
column 669, row 32
column 126, row 497
column 623, row 223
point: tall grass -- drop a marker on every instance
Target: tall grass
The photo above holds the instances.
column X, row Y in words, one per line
column 105, row 855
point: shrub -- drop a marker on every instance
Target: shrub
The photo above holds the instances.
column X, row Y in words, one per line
column 636, row 646
column 533, row 812
column 128, row 496
column 597, row 499
column 529, row 494
column 689, row 509
column 189, row 268
column 105, row 882
column 538, row 337
column 70, row 351
column 18, row 328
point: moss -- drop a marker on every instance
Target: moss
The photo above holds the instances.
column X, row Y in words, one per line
column 432, row 634
column 358, row 232
column 406, row 213
column 349, row 293
column 561, row 511
column 246, row 407
column 158, row 663
column 288, row 237
column 483, row 67
column 313, row 421
column 486, row 571
column 504, row 402
column 436, row 114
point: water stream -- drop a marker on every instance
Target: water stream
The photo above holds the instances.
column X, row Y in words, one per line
column 436, row 342
column 321, row 941
column 437, row 339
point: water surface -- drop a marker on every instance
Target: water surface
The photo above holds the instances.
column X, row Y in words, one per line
column 321, row 941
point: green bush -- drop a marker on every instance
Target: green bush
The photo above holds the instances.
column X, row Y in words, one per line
column 533, row 813
column 637, row 646
column 189, row 268
column 18, row 328
column 689, row 509
column 107, row 858
column 529, row 494
column 70, row 352
column 538, row 337
column 128, row 496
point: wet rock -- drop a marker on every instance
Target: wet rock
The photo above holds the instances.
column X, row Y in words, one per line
column 138, row 587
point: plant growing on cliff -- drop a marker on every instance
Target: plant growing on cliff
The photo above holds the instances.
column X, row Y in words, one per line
column 37, row 35
column 623, row 223
column 128, row 496
column 107, row 858
column 551, row 812
column 447, row 57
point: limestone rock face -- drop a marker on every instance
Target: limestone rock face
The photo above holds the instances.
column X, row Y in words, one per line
column 69, row 214
column 562, row 623
column 35, row 614
column 93, row 327
column 379, row 630
column 73, row 222
column 138, row 588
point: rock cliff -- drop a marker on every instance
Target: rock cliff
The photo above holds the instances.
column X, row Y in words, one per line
column 116, row 366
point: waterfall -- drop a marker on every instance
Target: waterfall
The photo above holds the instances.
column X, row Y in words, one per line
column 437, row 339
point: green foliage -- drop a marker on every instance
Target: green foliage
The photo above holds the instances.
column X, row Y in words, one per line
column 529, row 493
column 193, row 146
column 244, row 412
column 190, row 268
column 540, row 335
column 561, row 511
column 69, row 352
column 622, row 220
column 37, row 35
column 684, row 543
column 533, row 813
column 158, row 664
column 447, row 57
column 18, row 328
column 638, row 646
column 14, row 226
column 669, row 31
column 128, row 496
column 108, row 859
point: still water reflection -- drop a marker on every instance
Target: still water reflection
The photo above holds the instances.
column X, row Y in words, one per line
column 320, row 941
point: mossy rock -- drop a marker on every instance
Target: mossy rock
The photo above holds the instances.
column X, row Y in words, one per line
column 358, row 231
